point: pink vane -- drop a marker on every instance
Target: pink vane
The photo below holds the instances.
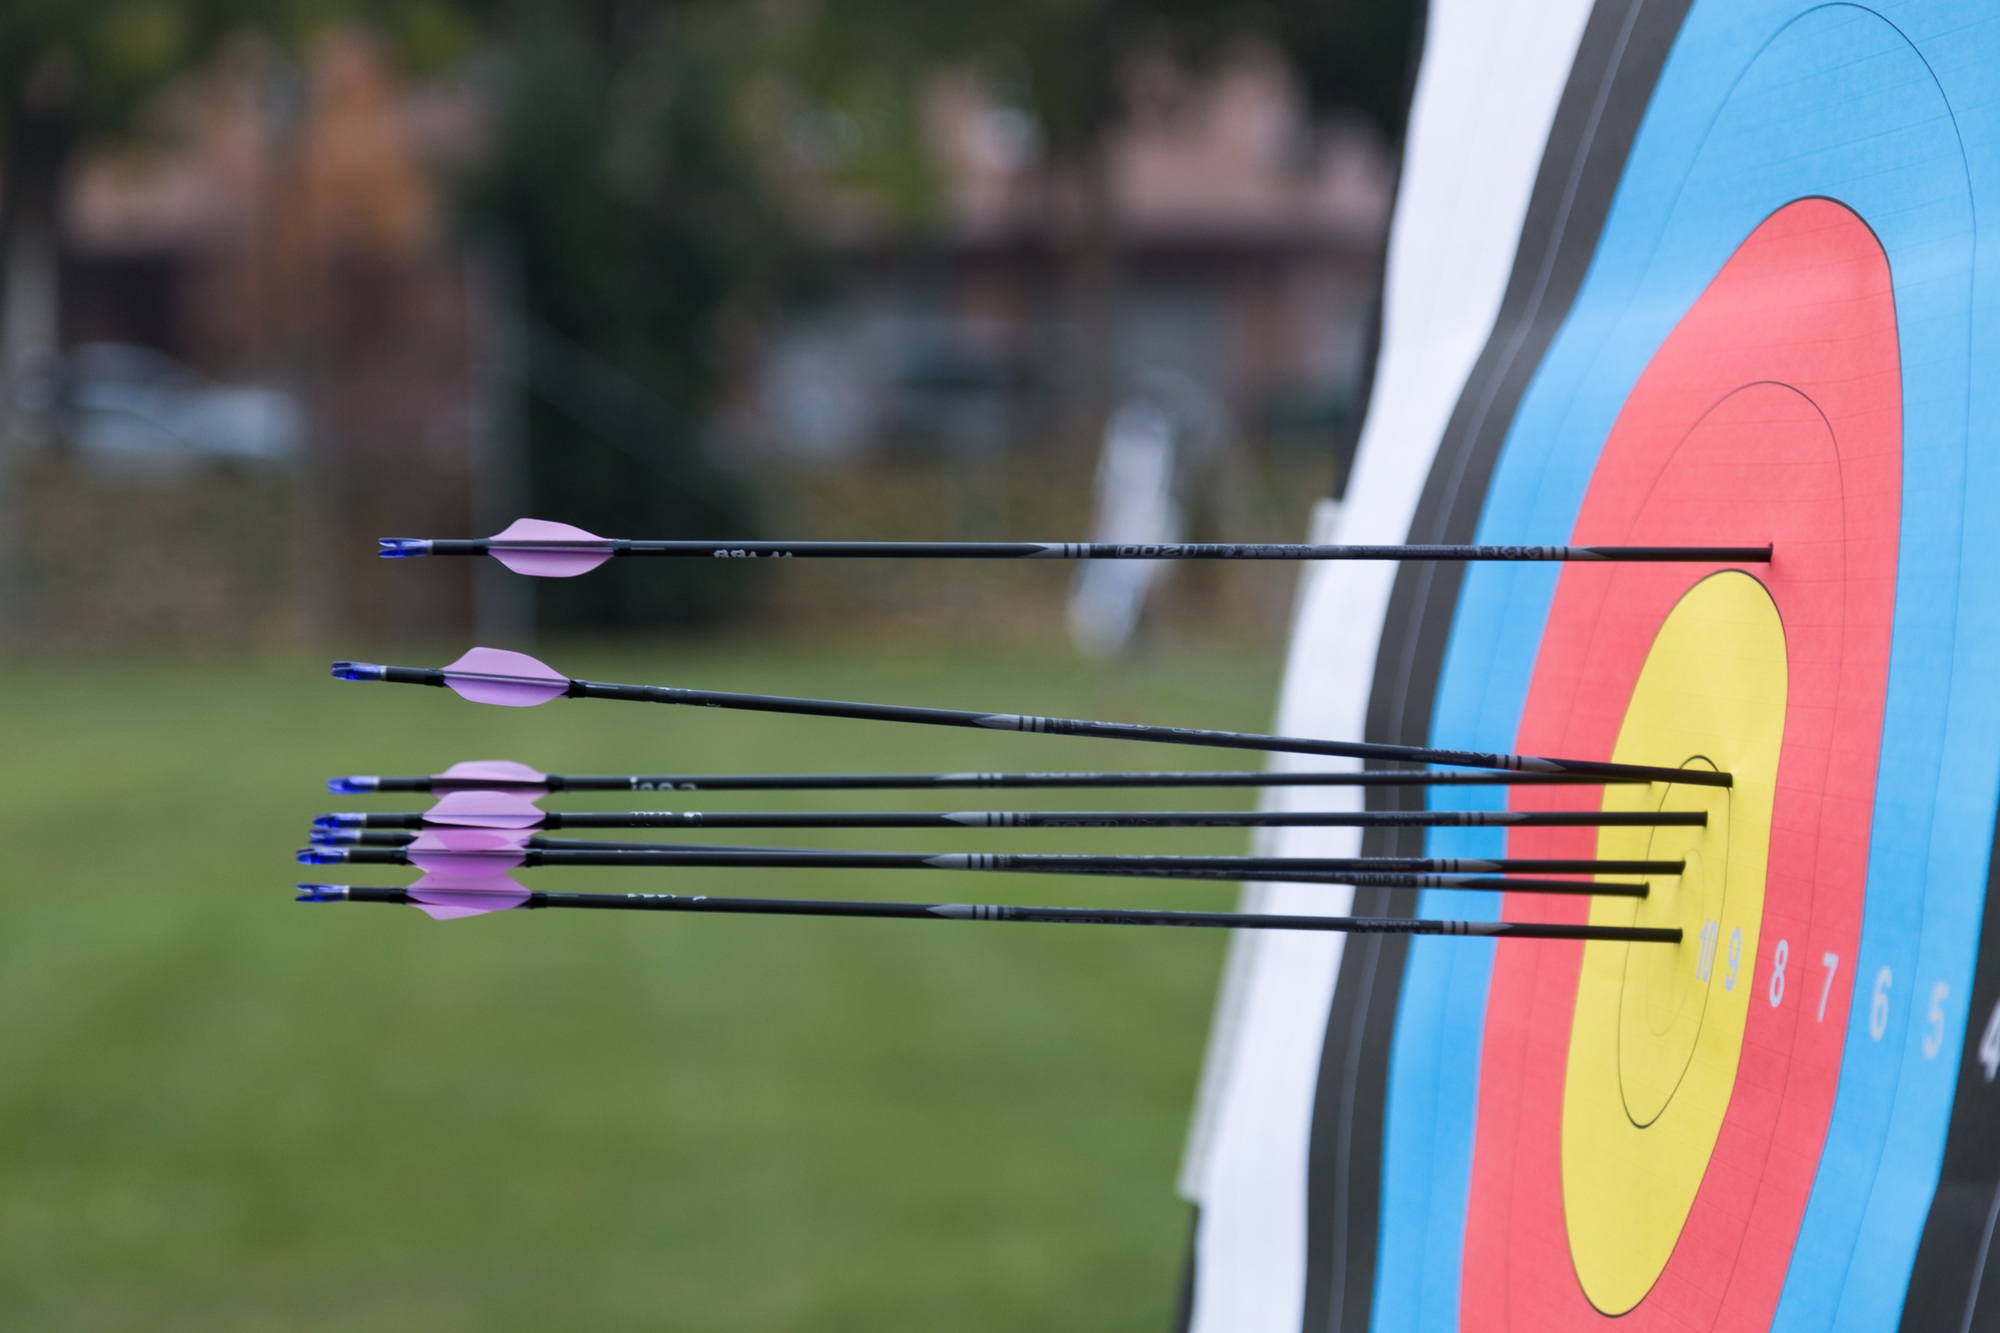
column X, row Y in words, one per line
column 468, row 851
column 486, row 810
column 548, row 550
column 446, row 894
column 490, row 775
column 496, row 676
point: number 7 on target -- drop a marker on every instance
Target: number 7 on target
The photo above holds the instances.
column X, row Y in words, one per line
column 1831, row 962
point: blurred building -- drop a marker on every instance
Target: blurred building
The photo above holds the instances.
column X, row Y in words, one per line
column 273, row 349
column 270, row 355
column 1243, row 249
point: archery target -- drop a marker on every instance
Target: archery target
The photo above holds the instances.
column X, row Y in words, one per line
column 1673, row 1120
column 1748, row 303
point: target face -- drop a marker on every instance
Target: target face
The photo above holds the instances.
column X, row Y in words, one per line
column 1749, row 302
column 1767, row 346
column 1771, row 407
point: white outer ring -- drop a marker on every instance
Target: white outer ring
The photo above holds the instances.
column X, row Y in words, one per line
column 1493, row 72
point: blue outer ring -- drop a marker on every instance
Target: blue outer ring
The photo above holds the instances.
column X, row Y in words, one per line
column 1895, row 112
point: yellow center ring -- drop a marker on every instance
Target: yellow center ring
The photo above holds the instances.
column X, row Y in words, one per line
column 1658, row 1031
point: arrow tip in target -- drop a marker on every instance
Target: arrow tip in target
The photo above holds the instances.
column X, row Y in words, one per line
column 496, row 676
column 547, row 550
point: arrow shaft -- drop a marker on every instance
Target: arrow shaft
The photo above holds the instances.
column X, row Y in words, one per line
column 1579, row 888
column 586, row 853
column 1055, row 726
column 679, row 819
column 799, row 858
column 1033, row 862
column 1078, row 916
column 441, row 783
column 403, row 547
column 1124, row 731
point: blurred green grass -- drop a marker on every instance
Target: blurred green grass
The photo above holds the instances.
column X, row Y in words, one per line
column 219, row 1111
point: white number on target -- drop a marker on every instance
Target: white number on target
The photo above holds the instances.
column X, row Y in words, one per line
column 1878, row 1009
column 1705, row 963
column 1934, row 1031
column 1831, row 962
column 1779, row 957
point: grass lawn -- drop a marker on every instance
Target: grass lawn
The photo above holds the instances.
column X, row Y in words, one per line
column 220, row 1111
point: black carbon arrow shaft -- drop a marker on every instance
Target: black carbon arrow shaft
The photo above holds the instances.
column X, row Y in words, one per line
column 571, row 687
column 555, row 782
column 1075, row 916
column 984, row 819
column 585, row 853
column 800, row 858
column 408, row 547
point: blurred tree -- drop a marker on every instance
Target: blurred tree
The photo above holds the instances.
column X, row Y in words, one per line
column 1072, row 55
column 617, row 184
column 622, row 188
column 76, row 72
column 73, row 71
column 1067, row 62
column 70, row 69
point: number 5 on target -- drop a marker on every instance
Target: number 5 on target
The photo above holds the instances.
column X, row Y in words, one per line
column 1934, row 1028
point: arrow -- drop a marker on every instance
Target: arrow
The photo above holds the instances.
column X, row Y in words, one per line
column 505, row 775
column 332, row 840
column 445, row 901
column 508, row 810
column 495, row 676
column 462, row 849
column 559, row 551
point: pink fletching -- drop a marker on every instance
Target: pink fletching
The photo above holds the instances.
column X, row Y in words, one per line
column 496, row 676
column 447, row 894
column 489, row 775
column 548, row 550
column 485, row 809
column 468, row 850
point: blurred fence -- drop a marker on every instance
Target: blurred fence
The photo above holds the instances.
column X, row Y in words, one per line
column 211, row 559
column 223, row 557
column 1036, row 496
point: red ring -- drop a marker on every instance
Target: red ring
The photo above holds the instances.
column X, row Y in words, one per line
column 1773, row 411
